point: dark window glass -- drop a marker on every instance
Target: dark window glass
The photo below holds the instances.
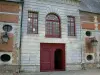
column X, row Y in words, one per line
column 71, row 26
column 32, row 27
column 53, row 26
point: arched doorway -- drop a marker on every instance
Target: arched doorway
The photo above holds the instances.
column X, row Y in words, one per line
column 58, row 65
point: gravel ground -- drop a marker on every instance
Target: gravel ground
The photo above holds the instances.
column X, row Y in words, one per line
column 78, row 72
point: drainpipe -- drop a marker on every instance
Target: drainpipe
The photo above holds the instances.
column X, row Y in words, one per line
column 81, row 40
column 22, row 4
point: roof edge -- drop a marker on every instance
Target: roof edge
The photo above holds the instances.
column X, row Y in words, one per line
column 88, row 12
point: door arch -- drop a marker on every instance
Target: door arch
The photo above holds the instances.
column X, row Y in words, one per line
column 58, row 59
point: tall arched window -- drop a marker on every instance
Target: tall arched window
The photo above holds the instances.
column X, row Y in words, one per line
column 53, row 26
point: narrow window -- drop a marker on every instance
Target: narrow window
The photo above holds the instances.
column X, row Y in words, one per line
column 71, row 26
column 53, row 26
column 32, row 27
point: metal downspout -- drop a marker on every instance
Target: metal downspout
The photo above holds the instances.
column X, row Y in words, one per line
column 22, row 4
column 82, row 64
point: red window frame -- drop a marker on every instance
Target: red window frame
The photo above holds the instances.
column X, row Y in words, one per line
column 32, row 27
column 71, row 26
column 53, row 28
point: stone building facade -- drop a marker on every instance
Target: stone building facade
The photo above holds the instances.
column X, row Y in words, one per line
column 49, row 35
column 50, row 31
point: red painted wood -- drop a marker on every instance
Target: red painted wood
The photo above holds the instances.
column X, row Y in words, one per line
column 45, row 58
column 47, row 51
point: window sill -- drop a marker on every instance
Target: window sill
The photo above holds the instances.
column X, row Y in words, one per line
column 72, row 36
column 36, row 35
column 52, row 37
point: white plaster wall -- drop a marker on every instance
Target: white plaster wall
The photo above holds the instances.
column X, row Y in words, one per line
column 30, row 52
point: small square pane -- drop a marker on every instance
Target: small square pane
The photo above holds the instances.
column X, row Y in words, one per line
column 29, row 14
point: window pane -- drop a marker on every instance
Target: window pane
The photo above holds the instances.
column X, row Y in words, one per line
column 72, row 19
column 56, row 28
column 69, row 30
column 52, row 17
column 32, row 26
column 72, row 29
column 69, row 18
column 29, row 14
column 52, row 25
column 35, row 15
column 29, row 29
column 68, row 23
column 71, row 26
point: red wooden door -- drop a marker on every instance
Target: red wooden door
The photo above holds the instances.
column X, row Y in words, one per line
column 47, row 56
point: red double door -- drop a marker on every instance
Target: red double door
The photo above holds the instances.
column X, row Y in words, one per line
column 52, row 57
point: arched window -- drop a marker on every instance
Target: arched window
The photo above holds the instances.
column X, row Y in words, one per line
column 53, row 26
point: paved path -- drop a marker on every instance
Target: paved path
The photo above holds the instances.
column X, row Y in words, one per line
column 78, row 72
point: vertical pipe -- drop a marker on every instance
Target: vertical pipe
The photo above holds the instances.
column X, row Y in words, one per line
column 22, row 5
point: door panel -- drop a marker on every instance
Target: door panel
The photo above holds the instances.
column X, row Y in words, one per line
column 45, row 61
